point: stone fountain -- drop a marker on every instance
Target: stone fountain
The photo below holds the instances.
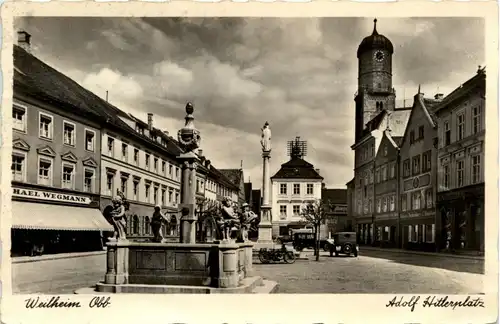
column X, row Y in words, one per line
column 187, row 266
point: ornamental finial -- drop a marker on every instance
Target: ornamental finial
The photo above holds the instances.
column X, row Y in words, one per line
column 375, row 27
column 189, row 136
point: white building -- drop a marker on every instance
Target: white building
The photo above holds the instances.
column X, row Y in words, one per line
column 292, row 187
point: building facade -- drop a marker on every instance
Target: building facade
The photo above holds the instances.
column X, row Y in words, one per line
column 338, row 219
column 460, row 196
column 386, row 191
column 139, row 161
column 375, row 111
column 237, row 178
column 418, row 170
column 292, row 187
column 55, row 161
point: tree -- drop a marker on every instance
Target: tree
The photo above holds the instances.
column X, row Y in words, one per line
column 316, row 213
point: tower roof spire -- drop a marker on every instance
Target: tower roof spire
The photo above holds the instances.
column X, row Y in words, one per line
column 375, row 27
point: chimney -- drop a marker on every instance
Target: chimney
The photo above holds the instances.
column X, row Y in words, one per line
column 439, row 96
column 166, row 132
column 150, row 121
column 200, row 152
column 207, row 164
column 23, row 40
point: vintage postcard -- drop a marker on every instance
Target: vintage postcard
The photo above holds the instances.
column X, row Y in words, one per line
column 249, row 162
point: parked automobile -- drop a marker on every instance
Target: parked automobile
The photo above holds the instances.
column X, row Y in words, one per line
column 345, row 243
column 283, row 239
column 328, row 243
column 306, row 241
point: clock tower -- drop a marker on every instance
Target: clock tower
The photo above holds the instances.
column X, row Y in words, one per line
column 375, row 92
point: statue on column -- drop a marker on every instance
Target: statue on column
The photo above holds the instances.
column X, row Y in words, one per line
column 156, row 223
column 266, row 138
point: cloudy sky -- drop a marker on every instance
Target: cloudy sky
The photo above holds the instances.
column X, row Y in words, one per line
column 300, row 74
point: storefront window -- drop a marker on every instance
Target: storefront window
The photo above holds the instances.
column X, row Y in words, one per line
column 385, row 235
column 428, row 198
column 379, row 204
column 429, row 233
column 403, row 202
column 393, row 203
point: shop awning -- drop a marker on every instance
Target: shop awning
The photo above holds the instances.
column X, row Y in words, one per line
column 55, row 217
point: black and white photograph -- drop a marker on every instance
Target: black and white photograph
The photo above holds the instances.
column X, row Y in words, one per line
column 162, row 155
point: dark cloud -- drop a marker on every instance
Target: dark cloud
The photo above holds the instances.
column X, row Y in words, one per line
column 300, row 74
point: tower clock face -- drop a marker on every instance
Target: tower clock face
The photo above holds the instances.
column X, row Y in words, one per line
column 379, row 56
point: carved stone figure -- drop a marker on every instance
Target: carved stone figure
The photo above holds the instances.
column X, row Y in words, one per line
column 156, row 222
column 229, row 220
column 118, row 219
column 248, row 220
column 266, row 138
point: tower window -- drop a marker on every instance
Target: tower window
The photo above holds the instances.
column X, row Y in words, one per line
column 381, row 105
column 378, row 105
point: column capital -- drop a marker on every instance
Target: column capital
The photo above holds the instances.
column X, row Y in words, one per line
column 266, row 154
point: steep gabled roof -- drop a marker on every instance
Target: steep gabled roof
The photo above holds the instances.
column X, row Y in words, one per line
column 397, row 122
column 297, row 168
column 219, row 176
column 234, row 175
column 420, row 101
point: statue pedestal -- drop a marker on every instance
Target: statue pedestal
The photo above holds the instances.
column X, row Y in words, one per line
column 265, row 238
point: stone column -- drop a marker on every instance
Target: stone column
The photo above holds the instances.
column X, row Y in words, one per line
column 188, row 203
column 265, row 226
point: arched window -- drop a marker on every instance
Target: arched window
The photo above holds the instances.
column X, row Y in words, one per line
column 378, row 105
column 129, row 224
column 381, row 105
column 135, row 225
column 147, row 225
column 173, row 226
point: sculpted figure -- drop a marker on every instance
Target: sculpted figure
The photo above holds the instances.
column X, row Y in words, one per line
column 118, row 218
column 156, row 222
column 229, row 219
column 248, row 220
column 266, row 138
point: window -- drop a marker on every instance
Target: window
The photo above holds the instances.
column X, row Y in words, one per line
column 413, row 233
column 123, row 185
column 429, row 233
column 170, row 195
column 198, row 186
column 45, row 171
column 384, row 172
column 428, row 198
column 46, row 127
column 446, row 176
column 18, row 167
column 416, row 165
column 124, row 152
column 176, row 197
column 406, row 168
column 111, row 146
column 136, row 156
column 416, row 199
column 283, row 211
column 135, row 225
column 136, row 189
column 147, row 161
column 426, row 161
column 460, row 126
column 377, row 175
column 155, row 195
column 163, row 167
column 392, row 172
column 403, row 202
column 384, row 204
column 392, row 203
column 155, row 165
column 310, row 188
column 89, row 140
column 68, row 176
column 476, row 119
column 147, row 225
column 365, row 207
column 476, row 169
column 370, row 206
column 460, row 173
column 379, row 205
column 110, row 183
column 296, row 188
column 163, row 195
column 170, row 167
column 88, row 180
column 282, row 188
column 386, row 150
column 447, row 133
column 68, row 133
column 296, row 210
column 19, row 118
column 147, row 187
column 177, row 173
column 420, row 132
column 412, row 137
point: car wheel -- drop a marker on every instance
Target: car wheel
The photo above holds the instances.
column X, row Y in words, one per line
column 326, row 247
column 347, row 249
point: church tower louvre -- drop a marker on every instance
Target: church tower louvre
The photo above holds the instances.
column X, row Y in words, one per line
column 375, row 91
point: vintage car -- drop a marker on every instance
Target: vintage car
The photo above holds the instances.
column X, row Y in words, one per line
column 345, row 243
column 306, row 241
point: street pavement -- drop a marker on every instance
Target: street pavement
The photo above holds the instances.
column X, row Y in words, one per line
column 372, row 272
